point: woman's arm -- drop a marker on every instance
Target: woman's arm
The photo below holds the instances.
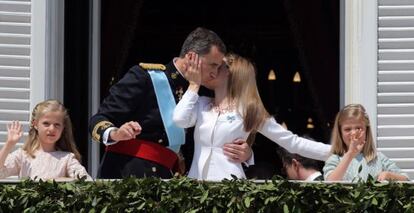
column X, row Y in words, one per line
column 185, row 113
column 293, row 143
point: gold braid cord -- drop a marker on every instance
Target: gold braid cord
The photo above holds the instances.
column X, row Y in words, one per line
column 99, row 127
column 148, row 66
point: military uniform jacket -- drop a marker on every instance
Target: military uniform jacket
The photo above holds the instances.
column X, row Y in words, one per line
column 133, row 99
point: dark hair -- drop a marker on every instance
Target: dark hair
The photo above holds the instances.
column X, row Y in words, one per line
column 200, row 41
column 307, row 163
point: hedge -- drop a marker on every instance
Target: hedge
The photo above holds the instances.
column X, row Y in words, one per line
column 186, row 195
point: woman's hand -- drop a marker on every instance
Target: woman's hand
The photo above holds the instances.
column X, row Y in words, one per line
column 14, row 133
column 127, row 131
column 193, row 73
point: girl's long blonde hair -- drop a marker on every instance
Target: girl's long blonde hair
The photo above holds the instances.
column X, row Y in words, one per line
column 66, row 141
column 242, row 90
column 355, row 111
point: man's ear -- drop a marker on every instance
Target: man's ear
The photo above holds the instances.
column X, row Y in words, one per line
column 295, row 164
column 185, row 62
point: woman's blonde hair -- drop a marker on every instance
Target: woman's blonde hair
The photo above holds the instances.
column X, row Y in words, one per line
column 354, row 111
column 242, row 90
column 66, row 141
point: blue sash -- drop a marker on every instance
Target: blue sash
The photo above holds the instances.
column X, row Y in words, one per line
column 166, row 105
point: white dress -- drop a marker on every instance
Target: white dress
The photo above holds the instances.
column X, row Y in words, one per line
column 46, row 165
column 213, row 130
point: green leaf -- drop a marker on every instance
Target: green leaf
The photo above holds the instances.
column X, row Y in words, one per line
column 140, row 207
column 356, row 194
column 104, row 209
column 374, row 201
column 94, row 201
column 285, row 208
column 247, row 201
column 204, row 197
column 215, row 210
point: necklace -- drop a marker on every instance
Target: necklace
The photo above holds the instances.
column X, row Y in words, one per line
column 223, row 109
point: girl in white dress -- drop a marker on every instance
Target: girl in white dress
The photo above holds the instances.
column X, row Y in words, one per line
column 49, row 151
column 235, row 111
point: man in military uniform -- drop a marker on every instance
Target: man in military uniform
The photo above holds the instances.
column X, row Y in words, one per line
column 129, row 121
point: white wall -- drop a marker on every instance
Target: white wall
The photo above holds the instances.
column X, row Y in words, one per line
column 15, row 61
column 396, row 81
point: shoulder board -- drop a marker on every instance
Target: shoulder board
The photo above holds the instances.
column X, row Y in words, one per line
column 148, row 66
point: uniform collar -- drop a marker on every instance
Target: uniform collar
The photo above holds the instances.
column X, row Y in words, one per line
column 313, row 176
column 175, row 66
column 176, row 76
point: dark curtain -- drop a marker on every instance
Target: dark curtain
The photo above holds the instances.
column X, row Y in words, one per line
column 315, row 28
column 118, row 30
column 76, row 67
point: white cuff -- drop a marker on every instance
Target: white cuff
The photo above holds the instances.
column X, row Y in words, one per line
column 250, row 161
column 106, row 136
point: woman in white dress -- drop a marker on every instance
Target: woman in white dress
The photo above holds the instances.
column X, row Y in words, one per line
column 235, row 112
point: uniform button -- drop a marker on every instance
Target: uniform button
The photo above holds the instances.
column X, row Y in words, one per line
column 154, row 169
column 160, row 141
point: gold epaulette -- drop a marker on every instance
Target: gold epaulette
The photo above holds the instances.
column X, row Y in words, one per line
column 148, row 66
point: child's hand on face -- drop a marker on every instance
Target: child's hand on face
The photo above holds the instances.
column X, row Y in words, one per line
column 356, row 143
column 14, row 132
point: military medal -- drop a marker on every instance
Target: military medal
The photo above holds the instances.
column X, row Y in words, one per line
column 179, row 92
column 174, row 75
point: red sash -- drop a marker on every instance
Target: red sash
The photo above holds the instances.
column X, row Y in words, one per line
column 146, row 150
